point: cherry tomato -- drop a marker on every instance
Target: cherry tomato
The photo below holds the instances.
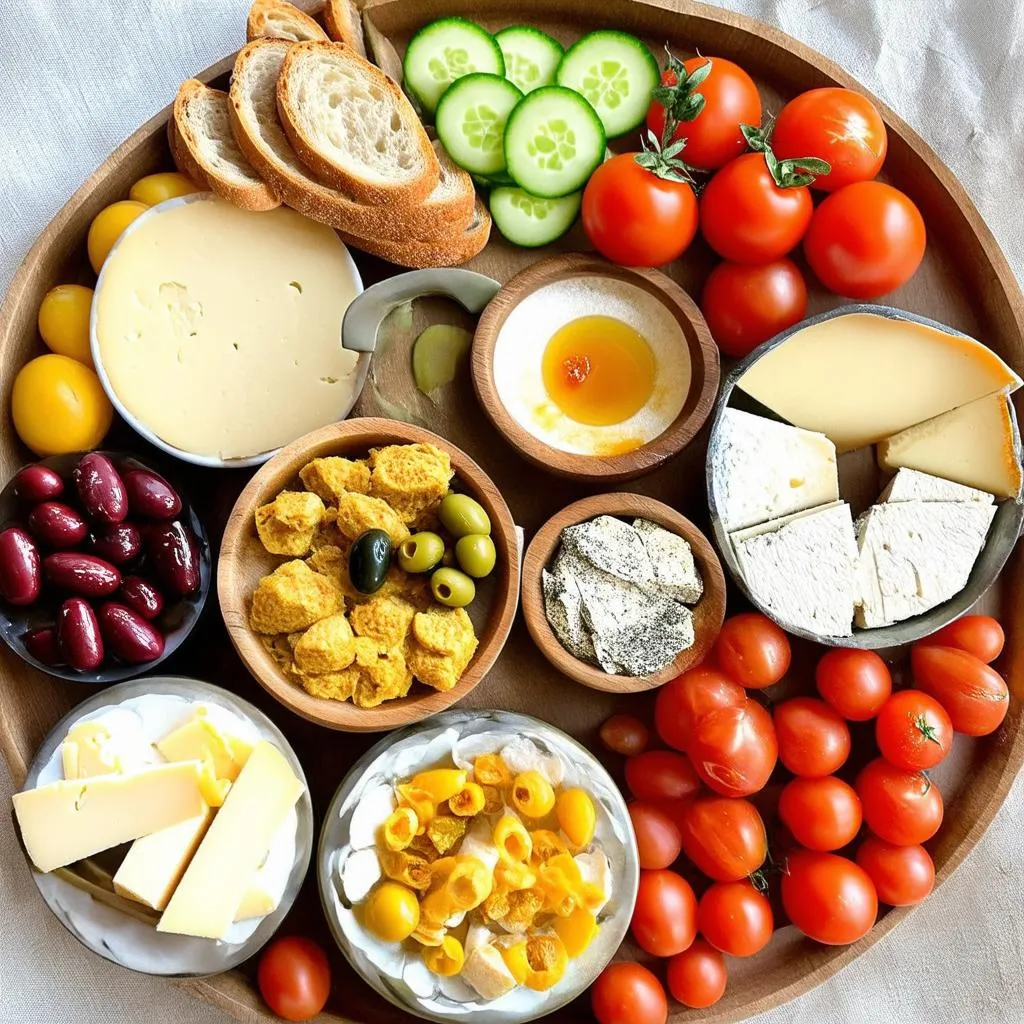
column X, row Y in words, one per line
column 902, row 875
column 624, row 734
column 713, row 137
column 723, row 836
column 734, row 749
column 294, row 978
column 900, row 807
column 661, row 775
column 697, row 976
column 828, row 897
column 745, row 305
column 635, row 218
column 822, row 814
column 628, row 993
column 974, row 695
column 855, row 683
column 735, row 918
column 687, row 698
column 752, row 650
column 913, row 731
column 813, row 739
column 665, row 917
column 837, row 125
column 980, row 635
column 747, row 218
column 657, row 835
column 865, row 240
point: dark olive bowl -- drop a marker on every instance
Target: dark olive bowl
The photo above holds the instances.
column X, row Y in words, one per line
column 177, row 619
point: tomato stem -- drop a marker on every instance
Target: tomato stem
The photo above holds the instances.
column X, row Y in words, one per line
column 797, row 172
column 926, row 729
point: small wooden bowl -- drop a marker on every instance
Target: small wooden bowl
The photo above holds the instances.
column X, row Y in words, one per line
column 244, row 561
column 708, row 613
column 608, row 468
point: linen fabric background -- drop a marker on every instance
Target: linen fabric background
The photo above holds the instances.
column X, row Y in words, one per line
column 81, row 75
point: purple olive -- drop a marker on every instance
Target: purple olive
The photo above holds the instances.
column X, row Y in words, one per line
column 175, row 553
column 81, row 574
column 100, row 489
column 141, row 596
column 129, row 636
column 78, row 635
column 118, row 543
column 37, row 483
column 151, row 495
column 42, row 645
column 20, row 577
column 57, row 525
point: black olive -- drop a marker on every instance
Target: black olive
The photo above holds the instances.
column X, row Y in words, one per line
column 369, row 561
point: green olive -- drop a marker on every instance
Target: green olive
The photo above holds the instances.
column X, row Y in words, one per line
column 476, row 554
column 453, row 588
column 421, row 552
column 460, row 515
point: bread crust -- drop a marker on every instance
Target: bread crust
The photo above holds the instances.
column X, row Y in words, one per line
column 257, row 23
column 345, row 24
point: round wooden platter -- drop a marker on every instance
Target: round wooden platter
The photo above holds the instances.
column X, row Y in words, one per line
column 965, row 282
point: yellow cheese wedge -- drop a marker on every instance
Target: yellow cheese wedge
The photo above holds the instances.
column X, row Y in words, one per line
column 75, row 818
column 860, row 378
column 201, row 740
column 88, row 750
column 972, row 445
column 211, row 891
column 257, row 902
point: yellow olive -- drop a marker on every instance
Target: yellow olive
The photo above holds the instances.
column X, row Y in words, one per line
column 475, row 554
column 452, row 588
column 156, row 188
column 107, row 227
column 460, row 514
column 64, row 321
column 392, row 912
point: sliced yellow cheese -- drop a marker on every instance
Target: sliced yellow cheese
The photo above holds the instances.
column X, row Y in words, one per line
column 75, row 818
column 206, row 900
column 257, row 902
column 88, row 750
column 860, row 378
column 972, row 445
column 201, row 740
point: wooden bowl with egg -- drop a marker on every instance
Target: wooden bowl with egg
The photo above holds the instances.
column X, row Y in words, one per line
column 708, row 612
column 639, row 401
column 244, row 561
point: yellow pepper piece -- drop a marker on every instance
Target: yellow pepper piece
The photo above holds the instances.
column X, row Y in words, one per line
column 435, row 909
column 427, row 934
column 560, row 880
column 400, row 828
column 420, row 801
column 469, row 884
column 508, row 877
column 512, row 840
column 532, row 795
column 491, row 770
column 577, row 816
column 546, row 844
column 539, row 963
column 404, row 867
column 391, row 912
column 492, row 800
column 440, row 870
column 446, row 959
column 577, row 931
column 469, row 802
column 440, row 784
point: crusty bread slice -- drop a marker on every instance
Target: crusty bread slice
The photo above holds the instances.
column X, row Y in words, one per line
column 345, row 24
column 278, row 19
column 451, row 202
column 353, row 127
column 203, row 147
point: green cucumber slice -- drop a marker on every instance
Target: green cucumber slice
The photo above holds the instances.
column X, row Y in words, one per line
column 530, row 221
column 470, row 120
column 499, row 180
column 444, row 51
column 615, row 72
column 553, row 142
column 531, row 56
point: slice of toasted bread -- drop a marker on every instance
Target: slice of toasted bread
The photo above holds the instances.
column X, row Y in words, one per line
column 345, row 24
column 204, row 148
column 278, row 19
column 353, row 127
column 451, row 202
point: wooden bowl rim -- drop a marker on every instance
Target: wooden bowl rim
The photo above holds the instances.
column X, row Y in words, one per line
column 611, row 468
column 343, row 715
column 710, row 610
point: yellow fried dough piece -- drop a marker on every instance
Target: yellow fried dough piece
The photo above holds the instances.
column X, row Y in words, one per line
column 287, row 524
column 327, row 646
column 292, row 598
column 383, row 618
column 411, row 478
column 331, row 477
column 358, row 513
column 445, row 631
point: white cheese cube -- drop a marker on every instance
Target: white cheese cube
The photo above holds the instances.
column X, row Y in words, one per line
column 912, row 485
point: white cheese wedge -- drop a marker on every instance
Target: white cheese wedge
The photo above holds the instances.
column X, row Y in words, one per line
column 804, row 572
column 910, row 485
column 762, row 469
column 485, row 970
column 973, row 445
column 672, row 561
column 915, row 555
column 611, row 545
column 861, row 377
column 775, row 524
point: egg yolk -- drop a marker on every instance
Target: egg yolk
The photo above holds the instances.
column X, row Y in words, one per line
column 598, row 370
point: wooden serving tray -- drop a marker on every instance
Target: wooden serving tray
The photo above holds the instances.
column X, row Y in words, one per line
column 965, row 282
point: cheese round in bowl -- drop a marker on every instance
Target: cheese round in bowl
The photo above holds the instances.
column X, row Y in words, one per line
column 217, row 332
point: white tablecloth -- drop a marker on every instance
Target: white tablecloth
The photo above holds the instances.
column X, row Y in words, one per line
column 81, row 75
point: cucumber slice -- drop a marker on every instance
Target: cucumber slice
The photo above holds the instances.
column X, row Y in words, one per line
column 444, row 51
column 499, row 180
column 531, row 56
column 530, row 221
column 553, row 142
column 615, row 72
column 470, row 119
